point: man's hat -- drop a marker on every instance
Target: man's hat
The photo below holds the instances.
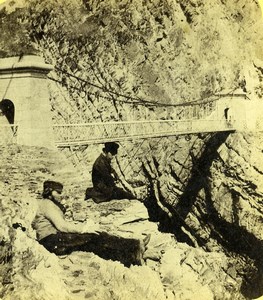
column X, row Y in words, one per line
column 111, row 147
column 50, row 185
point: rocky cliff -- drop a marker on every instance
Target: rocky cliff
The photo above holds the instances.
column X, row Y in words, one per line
column 172, row 269
column 117, row 60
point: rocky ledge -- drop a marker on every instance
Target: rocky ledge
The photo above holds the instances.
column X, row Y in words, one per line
column 172, row 270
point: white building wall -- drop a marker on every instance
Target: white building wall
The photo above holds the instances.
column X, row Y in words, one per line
column 24, row 82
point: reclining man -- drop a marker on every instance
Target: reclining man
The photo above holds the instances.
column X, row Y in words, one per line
column 104, row 178
column 62, row 237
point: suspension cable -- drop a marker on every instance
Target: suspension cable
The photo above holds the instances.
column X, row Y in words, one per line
column 134, row 100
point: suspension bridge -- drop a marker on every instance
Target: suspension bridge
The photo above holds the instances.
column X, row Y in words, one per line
column 25, row 114
column 87, row 133
column 212, row 116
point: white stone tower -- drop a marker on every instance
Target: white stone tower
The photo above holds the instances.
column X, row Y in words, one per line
column 24, row 100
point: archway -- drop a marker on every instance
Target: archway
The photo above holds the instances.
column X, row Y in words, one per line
column 8, row 110
column 25, row 104
column 7, row 117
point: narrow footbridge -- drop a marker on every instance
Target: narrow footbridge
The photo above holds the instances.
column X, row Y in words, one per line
column 26, row 119
column 213, row 116
column 91, row 133
column 231, row 113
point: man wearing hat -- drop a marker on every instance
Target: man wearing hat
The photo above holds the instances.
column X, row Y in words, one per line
column 104, row 177
column 61, row 236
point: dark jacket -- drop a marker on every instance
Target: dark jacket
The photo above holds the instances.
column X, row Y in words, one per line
column 102, row 179
column 104, row 187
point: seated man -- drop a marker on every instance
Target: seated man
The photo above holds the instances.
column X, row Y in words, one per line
column 104, row 177
column 61, row 237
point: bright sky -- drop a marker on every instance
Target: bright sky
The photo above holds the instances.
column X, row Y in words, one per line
column 259, row 1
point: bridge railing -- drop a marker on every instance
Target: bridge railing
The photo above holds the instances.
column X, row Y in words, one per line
column 70, row 134
column 195, row 110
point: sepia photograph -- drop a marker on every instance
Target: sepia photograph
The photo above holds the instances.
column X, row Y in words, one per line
column 131, row 149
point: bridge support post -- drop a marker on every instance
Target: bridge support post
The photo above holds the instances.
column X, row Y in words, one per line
column 243, row 114
column 23, row 82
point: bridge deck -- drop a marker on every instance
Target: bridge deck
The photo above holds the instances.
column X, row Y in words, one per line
column 211, row 116
column 90, row 133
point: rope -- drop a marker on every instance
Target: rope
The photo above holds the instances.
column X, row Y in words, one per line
column 96, row 93
column 134, row 100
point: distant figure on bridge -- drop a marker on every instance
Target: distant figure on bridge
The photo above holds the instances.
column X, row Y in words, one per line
column 61, row 236
column 227, row 115
column 104, row 178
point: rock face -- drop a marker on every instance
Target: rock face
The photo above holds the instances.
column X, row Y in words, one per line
column 215, row 199
column 172, row 270
column 129, row 51
column 203, row 192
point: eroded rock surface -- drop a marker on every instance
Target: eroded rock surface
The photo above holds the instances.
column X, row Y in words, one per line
column 172, row 270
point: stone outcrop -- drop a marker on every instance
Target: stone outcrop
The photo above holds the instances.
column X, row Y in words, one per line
column 172, row 270
column 213, row 200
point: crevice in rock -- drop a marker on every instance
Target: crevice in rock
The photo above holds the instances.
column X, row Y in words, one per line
column 238, row 240
column 188, row 15
column 235, row 197
column 199, row 172
column 257, row 170
column 172, row 219
column 175, row 176
column 6, row 265
column 234, row 238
